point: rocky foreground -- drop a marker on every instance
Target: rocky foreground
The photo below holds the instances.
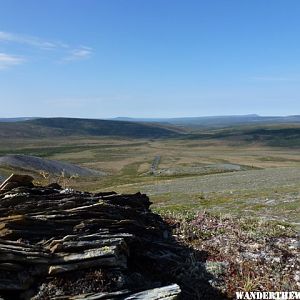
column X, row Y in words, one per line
column 63, row 244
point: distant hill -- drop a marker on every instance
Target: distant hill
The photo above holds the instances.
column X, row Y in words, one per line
column 55, row 127
column 16, row 119
column 272, row 135
column 274, row 131
column 217, row 121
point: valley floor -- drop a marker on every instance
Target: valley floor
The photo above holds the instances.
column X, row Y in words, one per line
column 235, row 205
column 222, row 177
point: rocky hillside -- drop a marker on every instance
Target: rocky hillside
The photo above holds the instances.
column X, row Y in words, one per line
column 37, row 164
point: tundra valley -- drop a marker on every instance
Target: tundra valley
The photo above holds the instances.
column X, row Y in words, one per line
column 226, row 188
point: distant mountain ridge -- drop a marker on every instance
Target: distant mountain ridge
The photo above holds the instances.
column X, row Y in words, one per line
column 271, row 131
column 203, row 121
column 56, row 127
column 19, row 119
column 218, row 121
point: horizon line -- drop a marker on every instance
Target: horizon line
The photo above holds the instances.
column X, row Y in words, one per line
column 166, row 117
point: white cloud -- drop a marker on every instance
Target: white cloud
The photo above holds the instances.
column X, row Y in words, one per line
column 7, row 60
column 79, row 54
column 66, row 51
column 30, row 41
column 5, row 36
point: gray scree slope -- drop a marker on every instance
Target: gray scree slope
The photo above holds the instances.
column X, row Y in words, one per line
column 33, row 163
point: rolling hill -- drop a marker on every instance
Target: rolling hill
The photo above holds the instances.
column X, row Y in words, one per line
column 275, row 135
column 60, row 127
column 269, row 132
column 19, row 119
column 218, row 121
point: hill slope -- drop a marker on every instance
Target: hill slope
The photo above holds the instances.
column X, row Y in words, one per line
column 18, row 119
column 52, row 127
column 282, row 135
column 219, row 121
column 36, row 164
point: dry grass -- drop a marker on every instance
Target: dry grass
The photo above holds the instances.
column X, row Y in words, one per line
column 243, row 254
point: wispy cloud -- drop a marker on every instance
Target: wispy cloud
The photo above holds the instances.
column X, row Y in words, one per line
column 66, row 51
column 80, row 53
column 275, row 79
column 8, row 60
column 30, row 41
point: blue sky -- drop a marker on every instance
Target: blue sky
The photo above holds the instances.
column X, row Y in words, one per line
column 149, row 58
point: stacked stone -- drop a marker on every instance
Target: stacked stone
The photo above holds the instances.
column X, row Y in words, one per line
column 63, row 244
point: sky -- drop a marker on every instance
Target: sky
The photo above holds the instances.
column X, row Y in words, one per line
column 149, row 58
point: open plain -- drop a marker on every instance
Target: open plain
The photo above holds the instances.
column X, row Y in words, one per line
column 240, row 176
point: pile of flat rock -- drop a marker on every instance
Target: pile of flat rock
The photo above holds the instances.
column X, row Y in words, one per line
column 63, row 244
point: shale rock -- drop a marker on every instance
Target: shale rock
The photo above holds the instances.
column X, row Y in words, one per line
column 63, row 244
column 15, row 180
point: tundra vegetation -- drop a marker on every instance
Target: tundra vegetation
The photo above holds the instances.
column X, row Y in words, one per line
column 232, row 191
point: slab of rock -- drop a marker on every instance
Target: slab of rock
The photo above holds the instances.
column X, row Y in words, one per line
column 65, row 244
column 15, row 180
